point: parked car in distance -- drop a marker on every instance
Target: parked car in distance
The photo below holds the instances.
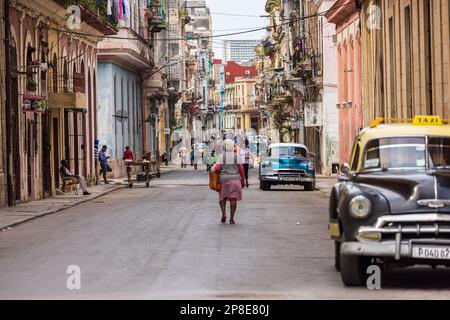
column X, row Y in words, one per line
column 391, row 206
column 287, row 164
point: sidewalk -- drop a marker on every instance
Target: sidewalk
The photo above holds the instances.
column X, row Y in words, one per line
column 325, row 184
column 13, row 216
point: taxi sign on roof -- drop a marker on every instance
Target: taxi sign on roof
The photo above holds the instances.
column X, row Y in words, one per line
column 417, row 121
column 427, row 121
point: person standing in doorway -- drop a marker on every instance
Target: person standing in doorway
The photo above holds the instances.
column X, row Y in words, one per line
column 103, row 159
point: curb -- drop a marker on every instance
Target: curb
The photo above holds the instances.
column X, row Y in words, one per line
column 52, row 211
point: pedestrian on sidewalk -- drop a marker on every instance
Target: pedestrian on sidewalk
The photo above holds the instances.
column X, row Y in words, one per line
column 231, row 174
column 96, row 145
column 65, row 172
column 103, row 159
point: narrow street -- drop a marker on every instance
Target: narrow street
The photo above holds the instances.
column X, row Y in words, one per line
column 168, row 242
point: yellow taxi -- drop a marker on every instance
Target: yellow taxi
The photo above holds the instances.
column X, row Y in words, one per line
column 391, row 206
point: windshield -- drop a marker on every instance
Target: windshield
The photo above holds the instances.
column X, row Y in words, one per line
column 439, row 150
column 395, row 153
column 288, row 152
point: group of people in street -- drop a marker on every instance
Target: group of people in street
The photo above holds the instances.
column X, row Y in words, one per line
column 233, row 166
column 102, row 157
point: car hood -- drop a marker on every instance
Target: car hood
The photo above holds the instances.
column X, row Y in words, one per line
column 403, row 191
column 290, row 163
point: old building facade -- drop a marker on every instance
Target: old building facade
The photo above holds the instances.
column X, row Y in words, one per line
column 122, row 62
column 415, row 46
column 52, row 92
column 3, row 151
column 344, row 14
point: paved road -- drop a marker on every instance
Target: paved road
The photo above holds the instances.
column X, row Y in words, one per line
column 167, row 242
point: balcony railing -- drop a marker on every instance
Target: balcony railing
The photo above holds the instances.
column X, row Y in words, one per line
column 66, row 90
column 95, row 13
column 156, row 15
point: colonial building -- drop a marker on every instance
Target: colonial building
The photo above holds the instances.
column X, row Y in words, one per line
column 3, row 151
column 240, row 101
column 239, row 97
column 122, row 62
column 413, row 39
column 52, row 84
column 297, row 90
column 345, row 16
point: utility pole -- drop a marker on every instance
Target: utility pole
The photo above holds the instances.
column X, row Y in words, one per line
column 9, row 161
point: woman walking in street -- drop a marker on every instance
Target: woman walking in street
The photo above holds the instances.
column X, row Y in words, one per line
column 231, row 178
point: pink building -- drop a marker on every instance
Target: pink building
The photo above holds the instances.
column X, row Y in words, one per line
column 345, row 16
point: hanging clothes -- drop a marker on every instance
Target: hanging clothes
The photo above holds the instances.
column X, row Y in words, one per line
column 116, row 8
column 108, row 8
column 120, row 10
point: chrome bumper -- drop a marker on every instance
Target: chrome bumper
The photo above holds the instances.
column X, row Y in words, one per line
column 277, row 179
column 402, row 250
column 370, row 238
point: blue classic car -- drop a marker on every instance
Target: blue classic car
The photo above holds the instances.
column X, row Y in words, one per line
column 287, row 164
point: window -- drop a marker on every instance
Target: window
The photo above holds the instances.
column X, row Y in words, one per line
column 288, row 152
column 395, row 153
column 408, row 57
column 356, row 155
column 439, row 150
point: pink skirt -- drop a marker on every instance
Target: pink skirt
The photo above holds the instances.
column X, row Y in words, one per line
column 231, row 190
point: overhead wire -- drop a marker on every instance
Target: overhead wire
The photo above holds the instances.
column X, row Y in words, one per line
column 212, row 36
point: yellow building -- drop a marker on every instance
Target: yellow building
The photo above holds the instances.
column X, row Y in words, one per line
column 405, row 57
column 240, row 105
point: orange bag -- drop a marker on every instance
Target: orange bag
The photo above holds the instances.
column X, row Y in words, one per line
column 214, row 181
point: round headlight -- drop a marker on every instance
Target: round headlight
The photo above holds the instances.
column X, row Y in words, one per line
column 311, row 167
column 360, row 207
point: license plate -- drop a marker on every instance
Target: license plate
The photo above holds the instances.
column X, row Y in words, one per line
column 289, row 178
column 431, row 252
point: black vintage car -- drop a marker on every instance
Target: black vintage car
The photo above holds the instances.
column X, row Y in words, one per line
column 391, row 206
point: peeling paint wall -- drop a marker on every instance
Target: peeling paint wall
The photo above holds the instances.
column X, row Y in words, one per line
column 113, row 131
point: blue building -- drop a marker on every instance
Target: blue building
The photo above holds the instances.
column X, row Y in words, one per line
column 121, row 100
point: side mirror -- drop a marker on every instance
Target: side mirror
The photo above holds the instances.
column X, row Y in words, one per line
column 345, row 168
column 344, row 175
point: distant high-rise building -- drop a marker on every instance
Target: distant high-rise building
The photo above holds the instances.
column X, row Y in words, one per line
column 239, row 50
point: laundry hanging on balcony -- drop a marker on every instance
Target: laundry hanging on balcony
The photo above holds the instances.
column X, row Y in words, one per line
column 109, row 8
column 115, row 8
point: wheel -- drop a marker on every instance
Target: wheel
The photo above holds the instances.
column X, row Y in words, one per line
column 147, row 184
column 337, row 256
column 354, row 270
column 158, row 175
column 130, row 185
column 264, row 186
column 310, row 186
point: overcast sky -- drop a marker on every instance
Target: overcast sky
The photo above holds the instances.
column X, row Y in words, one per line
column 223, row 23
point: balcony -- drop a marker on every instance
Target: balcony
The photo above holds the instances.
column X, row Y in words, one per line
column 125, row 49
column 94, row 13
column 317, row 68
column 156, row 16
column 67, row 91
